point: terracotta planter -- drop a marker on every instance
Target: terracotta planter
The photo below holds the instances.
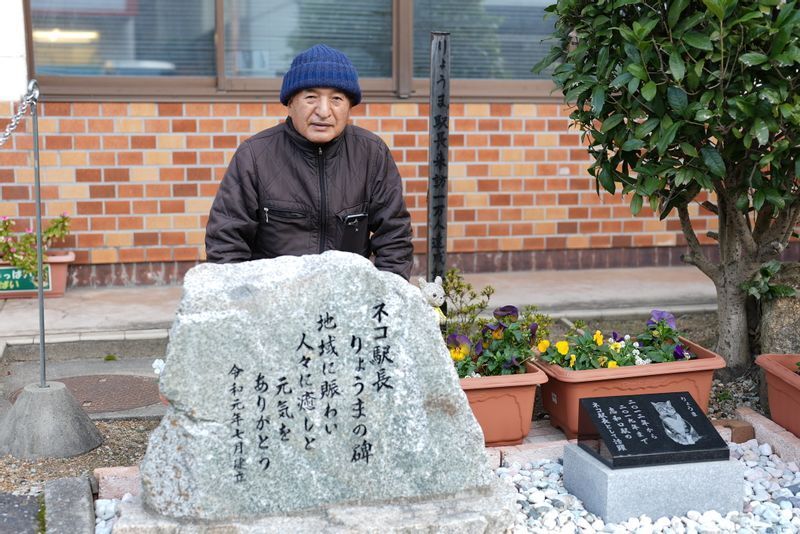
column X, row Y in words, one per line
column 12, row 286
column 783, row 389
column 563, row 390
column 503, row 405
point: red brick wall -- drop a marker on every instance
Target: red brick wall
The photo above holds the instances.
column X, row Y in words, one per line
column 138, row 180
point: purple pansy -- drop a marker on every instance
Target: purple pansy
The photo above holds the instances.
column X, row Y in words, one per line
column 494, row 330
column 511, row 364
column 680, row 353
column 616, row 337
column 657, row 316
column 507, row 313
column 457, row 340
column 533, row 328
column 477, row 350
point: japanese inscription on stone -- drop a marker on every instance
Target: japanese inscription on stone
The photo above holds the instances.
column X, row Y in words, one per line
column 300, row 381
column 307, row 409
column 438, row 154
column 636, row 430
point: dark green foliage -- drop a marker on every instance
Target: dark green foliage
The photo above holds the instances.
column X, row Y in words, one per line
column 685, row 96
column 761, row 287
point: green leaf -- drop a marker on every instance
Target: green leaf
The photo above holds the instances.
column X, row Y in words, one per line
column 760, row 132
column 621, row 80
column 598, row 99
column 650, row 185
column 758, row 200
column 606, row 180
column 774, row 198
column 713, row 161
column 632, row 144
column 753, row 58
column 742, row 203
column 667, row 136
column 677, row 66
column 636, row 204
column 698, row 40
column 646, row 127
column 638, row 71
column 677, row 99
column 649, row 91
column 715, row 6
column 689, row 150
column 683, row 176
column 612, row 121
column 675, row 10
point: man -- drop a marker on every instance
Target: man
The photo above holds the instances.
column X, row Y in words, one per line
column 313, row 183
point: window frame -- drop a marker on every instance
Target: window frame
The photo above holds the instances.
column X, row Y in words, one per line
column 402, row 85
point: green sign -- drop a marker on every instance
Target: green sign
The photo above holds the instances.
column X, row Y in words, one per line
column 13, row 279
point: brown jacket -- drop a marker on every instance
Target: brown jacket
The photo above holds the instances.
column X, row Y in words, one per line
column 283, row 194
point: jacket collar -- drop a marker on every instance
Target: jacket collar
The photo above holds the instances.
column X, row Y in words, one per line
column 329, row 149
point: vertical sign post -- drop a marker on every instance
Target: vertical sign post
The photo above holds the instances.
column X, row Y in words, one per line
column 437, row 154
column 33, row 89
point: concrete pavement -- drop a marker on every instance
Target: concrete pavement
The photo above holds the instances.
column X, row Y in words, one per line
column 148, row 311
column 110, row 336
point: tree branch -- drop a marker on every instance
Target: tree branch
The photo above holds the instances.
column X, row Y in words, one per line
column 710, row 206
column 737, row 219
column 777, row 237
column 697, row 257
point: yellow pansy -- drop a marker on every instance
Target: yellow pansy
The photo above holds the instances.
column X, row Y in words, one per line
column 615, row 346
column 612, row 364
column 598, row 337
column 572, row 360
column 459, row 353
column 543, row 345
column 602, row 360
column 562, row 347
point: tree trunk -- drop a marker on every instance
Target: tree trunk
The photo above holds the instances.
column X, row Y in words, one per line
column 733, row 342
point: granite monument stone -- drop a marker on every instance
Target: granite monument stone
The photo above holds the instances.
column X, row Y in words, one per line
column 301, row 383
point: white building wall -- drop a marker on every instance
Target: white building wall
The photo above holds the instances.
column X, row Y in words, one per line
column 13, row 70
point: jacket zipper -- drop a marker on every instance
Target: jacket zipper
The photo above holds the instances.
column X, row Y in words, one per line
column 323, row 203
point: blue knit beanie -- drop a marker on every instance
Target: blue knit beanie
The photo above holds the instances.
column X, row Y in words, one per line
column 321, row 66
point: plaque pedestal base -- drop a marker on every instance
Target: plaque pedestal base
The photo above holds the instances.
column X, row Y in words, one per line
column 654, row 490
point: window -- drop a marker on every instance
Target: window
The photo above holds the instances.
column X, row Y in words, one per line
column 231, row 48
column 262, row 37
column 123, row 37
column 489, row 39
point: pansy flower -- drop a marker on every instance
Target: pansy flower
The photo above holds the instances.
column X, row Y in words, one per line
column 477, row 350
column 612, row 364
column 532, row 329
column 507, row 314
column 679, row 352
column 543, row 345
column 656, row 316
column 562, row 347
column 459, row 346
column 572, row 360
column 511, row 364
column 495, row 330
column 598, row 337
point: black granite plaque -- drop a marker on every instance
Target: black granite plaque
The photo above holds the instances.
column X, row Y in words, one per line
column 654, row 429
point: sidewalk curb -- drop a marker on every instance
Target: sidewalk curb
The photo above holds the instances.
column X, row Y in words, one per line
column 69, row 506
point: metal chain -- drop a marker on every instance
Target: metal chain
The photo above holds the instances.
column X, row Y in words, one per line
column 30, row 97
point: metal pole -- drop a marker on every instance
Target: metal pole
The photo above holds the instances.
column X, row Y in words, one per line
column 33, row 88
column 439, row 122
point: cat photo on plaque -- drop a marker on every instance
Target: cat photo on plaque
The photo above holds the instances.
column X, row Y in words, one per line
column 651, row 429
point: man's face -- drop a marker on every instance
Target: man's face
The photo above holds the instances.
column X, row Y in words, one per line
column 319, row 114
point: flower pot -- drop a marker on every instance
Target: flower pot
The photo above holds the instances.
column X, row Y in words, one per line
column 503, row 405
column 783, row 389
column 13, row 284
column 565, row 387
